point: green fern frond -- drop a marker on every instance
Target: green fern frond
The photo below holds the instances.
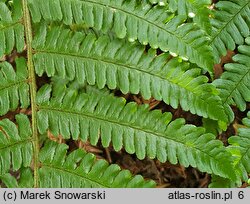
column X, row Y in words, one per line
column 25, row 179
column 218, row 182
column 230, row 25
column 14, row 88
column 81, row 170
column 194, row 9
column 11, row 28
column 131, row 20
column 234, row 83
column 93, row 117
column 240, row 149
column 15, row 144
column 118, row 64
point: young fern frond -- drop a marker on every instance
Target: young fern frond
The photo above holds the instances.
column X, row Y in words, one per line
column 15, row 144
column 131, row 20
column 11, row 28
column 240, row 149
column 230, row 25
column 81, row 170
column 234, row 83
column 94, row 116
column 117, row 64
column 14, row 88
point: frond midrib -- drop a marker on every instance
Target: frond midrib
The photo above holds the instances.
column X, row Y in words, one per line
column 225, row 25
column 17, row 143
column 17, row 83
column 127, row 125
column 32, row 83
column 74, row 173
column 10, row 25
column 236, row 86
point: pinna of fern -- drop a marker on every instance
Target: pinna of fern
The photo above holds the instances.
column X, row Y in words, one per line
column 78, row 169
column 131, row 20
column 234, row 83
column 11, row 28
column 90, row 116
column 239, row 147
column 14, row 88
column 118, row 64
column 230, row 25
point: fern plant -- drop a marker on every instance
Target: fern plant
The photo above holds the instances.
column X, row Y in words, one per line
column 88, row 49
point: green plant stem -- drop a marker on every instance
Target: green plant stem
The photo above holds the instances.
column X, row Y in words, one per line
column 32, row 78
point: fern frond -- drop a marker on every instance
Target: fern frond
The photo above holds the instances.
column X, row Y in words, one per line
column 126, row 66
column 93, row 117
column 230, row 25
column 81, row 170
column 11, row 28
column 234, row 83
column 239, row 147
column 134, row 21
column 14, row 88
column 25, row 179
column 15, row 144
column 218, row 182
column 195, row 9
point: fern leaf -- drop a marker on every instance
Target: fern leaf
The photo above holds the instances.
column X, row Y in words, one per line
column 134, row 21
column 15, row 144
column 218, row 182
column 240, row 149
column 117, row 64
column 14, row 88
column 25, row 179
column 194, row 9
column 81, row 170
column 90, row 116
column 11, row 28
column 199, row 11
column 234, row 83
column 230, row 25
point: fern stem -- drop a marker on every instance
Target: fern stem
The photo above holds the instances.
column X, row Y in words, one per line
column 32, row 77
